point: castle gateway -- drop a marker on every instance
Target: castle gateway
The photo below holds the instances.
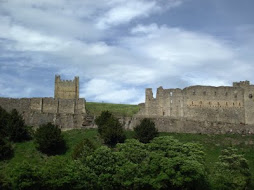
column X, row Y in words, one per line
column 225, row 104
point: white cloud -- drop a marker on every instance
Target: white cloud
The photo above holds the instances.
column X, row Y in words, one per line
column 116, row 64
column 125, row 11
column 101, row 90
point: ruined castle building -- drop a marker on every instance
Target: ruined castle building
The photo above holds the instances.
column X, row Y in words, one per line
column 227, row 104
column 66, row 89
column 66, row 109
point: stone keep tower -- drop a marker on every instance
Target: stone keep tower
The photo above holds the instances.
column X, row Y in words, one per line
column 66, row 89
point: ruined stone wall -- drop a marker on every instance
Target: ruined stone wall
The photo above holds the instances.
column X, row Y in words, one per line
column 66, row 89
column 67, row 113
column 202, row 103
column 168, row 124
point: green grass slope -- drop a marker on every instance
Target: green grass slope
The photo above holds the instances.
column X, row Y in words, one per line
column 95, row 108
column 213, row 144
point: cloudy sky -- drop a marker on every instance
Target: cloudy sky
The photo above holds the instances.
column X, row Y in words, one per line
column 120, row 47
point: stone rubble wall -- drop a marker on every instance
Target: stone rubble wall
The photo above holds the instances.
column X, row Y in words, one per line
column 66, row 113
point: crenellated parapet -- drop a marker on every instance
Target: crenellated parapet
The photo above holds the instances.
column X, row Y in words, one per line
column 66, row 89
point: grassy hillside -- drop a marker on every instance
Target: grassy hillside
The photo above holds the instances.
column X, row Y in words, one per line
column 213, row 144
column 95, row 108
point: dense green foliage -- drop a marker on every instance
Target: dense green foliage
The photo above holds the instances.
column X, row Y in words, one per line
column 4, row 119
column 95, row 108
column 49, row 139
column 110, row 129
column 83, row 149
column 17, row 130
column 231, row 171
column 145, row 131
column 6, row 150
column 12, row 129
column 12, row 126
column 163, row 163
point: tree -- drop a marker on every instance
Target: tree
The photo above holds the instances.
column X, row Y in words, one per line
column 4, row 118
column 83, row 149
column 26, row 176
column 110, row 129
column 145, row 131
column 49, row 139
column 6, row 150
column 102, row 120
column 16, row 129
column 231, row 171
column 62, row 173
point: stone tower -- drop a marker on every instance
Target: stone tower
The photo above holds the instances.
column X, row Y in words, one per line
column 66, row 89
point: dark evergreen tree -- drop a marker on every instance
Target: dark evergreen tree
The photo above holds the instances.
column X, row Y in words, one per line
column 101, row 120
column 6, row 150
column 16, row 128
column 145, row 131
column 49, row 139
column 110, row 129
column 4, row 119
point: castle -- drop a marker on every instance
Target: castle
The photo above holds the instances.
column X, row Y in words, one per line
column 228, row 104
column 202, row 109
column 66, row 109
column 195, row 109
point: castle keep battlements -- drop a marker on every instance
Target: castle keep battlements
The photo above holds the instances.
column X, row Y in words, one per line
column 66, row 89
column 228, row 104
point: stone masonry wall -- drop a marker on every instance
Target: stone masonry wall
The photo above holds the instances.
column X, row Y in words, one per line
column 228, row 104
column 66, row 89
column 66, row 113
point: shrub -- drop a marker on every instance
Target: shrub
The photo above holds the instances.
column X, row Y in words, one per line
column 16, row 128
column 110, row 129
column 4, row 118
column 26, row 176
column 49, row 139
column 145, row 131
column 83, row 149
column 102, row 120
column 231, row 171
column 6, row 150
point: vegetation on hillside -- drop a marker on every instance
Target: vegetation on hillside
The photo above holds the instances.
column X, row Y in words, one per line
column 169, row 161
column 118, row 110
column 110, row 129
column 145, row 131
column 49, row 140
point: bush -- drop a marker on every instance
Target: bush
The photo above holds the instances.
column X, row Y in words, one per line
column 145, row 131
column 4, row 118
column 110, row 129
column 17, row 130
column 6, row 150
column 102, row 120
column 49, row 139
column 83, row 149
column 26, row 176
column 231, row 171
